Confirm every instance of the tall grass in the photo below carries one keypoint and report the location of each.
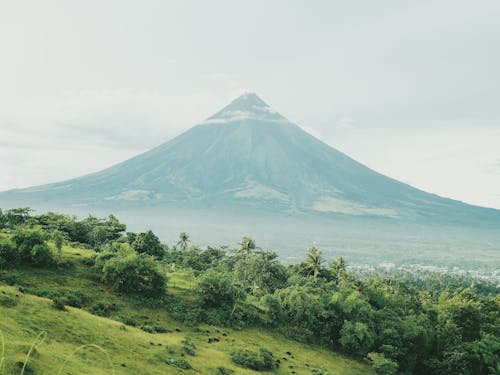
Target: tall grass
(85, 347)
(38, 341)
(2, 354)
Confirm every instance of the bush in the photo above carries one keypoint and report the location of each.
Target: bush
(258, 361)
(8, 253)
(188, 347)
(153, 328)
(382, 365)
(148, 243)
(103, 309)
(134, 274)
(180, 363)
(41, 255)
(73, 298)
(356, 337)
(217, 289)
(31, 247)
(25, 240)
(58, 303)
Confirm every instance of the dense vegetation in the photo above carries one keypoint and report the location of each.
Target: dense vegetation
(397, 323)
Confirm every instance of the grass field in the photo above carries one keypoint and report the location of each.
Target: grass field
(123, 349)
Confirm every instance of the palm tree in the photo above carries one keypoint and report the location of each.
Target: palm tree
(339, 267)
(314, 261)
(182, 244)
(247, 247)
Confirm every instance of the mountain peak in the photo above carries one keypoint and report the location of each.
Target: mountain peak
(247, 101)
(248, 106)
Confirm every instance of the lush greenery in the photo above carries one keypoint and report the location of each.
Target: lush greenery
(397, 323)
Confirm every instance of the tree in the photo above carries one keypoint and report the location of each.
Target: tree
(41, 255)
(247, 247)
(260, 273)
(314, 262)
(8, 253)
(25, 240)
(217, 289)
(17, 216)
(134, 273)
(3, 219)
(356, 337)
(148, 243)
(339, 268)
(58, 238)
(182, 244)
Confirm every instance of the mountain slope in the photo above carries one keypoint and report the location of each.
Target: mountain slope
(248, 155)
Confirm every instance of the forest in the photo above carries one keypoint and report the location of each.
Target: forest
(398, 324)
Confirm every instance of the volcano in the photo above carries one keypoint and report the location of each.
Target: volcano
(248, 156)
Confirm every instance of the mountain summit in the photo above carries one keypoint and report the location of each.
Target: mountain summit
(246, 106)
(247, 156)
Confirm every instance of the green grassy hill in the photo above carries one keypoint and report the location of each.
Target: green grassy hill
(128, 349)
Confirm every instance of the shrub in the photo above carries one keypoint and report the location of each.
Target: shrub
(128, 320)
(217, 289)
(258, 361)
(8, 253)
(382, 365)
(25, 240)
(103, 308)
(134, 274)
(180, 363)
(148, 243)
(153, 328)
(189, 347)
(73, 298)
(58, 303)
(356, 337)
(41, 255)
(31, 247)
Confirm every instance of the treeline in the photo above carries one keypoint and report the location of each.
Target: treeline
(398, 324)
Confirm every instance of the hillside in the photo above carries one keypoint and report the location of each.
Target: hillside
(130, 349)
(247, 156)
(153, 307)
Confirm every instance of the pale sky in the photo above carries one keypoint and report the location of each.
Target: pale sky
(409, 88)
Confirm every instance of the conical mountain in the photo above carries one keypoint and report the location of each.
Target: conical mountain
(247, 156)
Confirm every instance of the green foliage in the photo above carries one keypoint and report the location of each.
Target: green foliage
(356, 337)
(8, 253)
(381, 365)
(148, 243)
(434, 324)
(103, 308)
(41, 255)
(58, 237)
(30, 248)
(58, 303)
(262, 360)
(25, 240)
(133, 273)
(180, 363)
(14, 217)
(260, 273)
(183, 242)
(198, 259)
(73, 298)
(217, 289)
